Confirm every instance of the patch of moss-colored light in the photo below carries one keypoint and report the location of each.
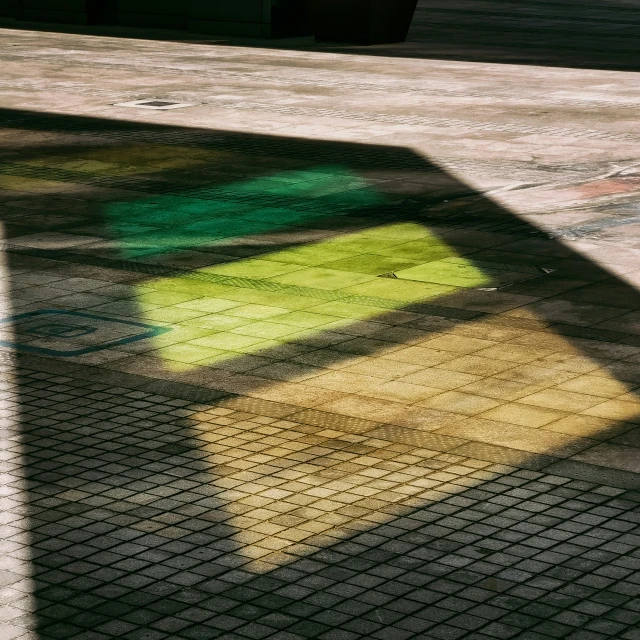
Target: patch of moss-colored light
(462, 273)
(259, 305)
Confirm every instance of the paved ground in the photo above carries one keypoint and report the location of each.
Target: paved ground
(347, 349)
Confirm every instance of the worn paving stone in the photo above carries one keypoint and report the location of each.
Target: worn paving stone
(349, 349)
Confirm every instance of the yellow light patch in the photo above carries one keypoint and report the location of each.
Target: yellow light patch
(267, 292)
(543, 425)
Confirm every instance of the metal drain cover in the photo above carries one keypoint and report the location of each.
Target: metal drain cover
(154, 104)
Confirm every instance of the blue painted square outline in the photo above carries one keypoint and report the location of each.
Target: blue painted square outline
(152, 332)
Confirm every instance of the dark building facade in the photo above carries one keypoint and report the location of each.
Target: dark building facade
(257, 18)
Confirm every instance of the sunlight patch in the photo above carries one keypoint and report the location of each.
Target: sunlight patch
(259, 305)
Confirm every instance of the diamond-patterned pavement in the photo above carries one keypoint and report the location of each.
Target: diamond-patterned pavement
(148, 521)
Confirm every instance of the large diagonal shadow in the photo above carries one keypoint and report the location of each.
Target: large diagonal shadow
(284, 510)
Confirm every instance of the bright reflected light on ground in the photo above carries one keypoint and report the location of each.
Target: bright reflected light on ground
(254, 305)
(288, 492)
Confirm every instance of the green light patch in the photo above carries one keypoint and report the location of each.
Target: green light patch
(201, 218)
(253, 308)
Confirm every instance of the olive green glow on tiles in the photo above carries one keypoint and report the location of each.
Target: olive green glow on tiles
(203, 217)
(268, 321)
(461, 273)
